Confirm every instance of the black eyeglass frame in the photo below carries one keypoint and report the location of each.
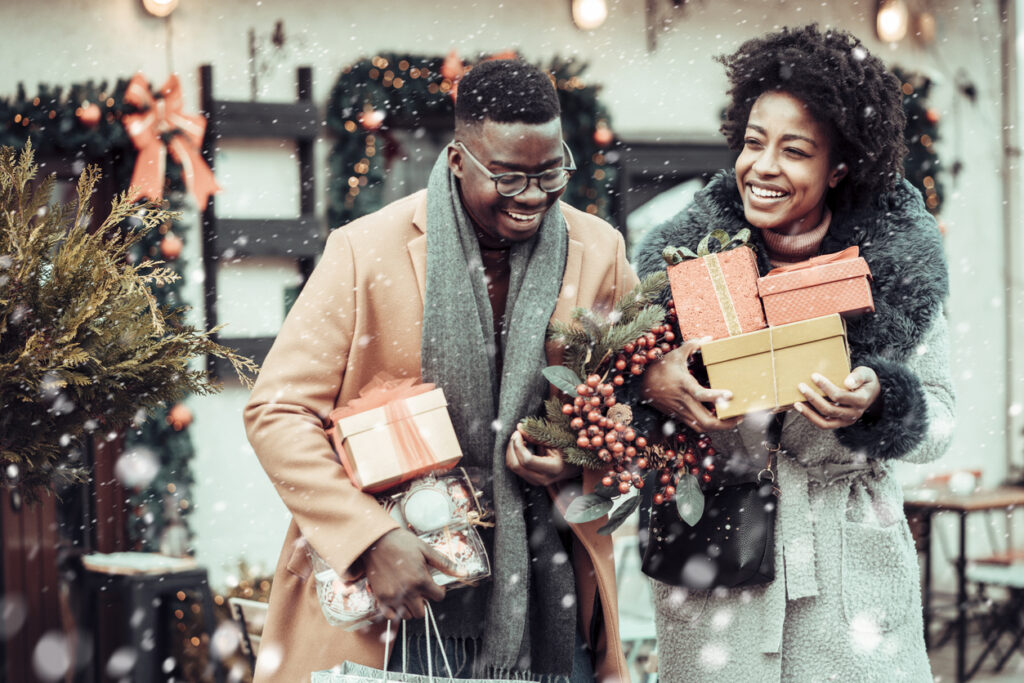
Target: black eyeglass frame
(496, 177)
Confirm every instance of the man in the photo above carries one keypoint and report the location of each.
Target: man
(456, 285)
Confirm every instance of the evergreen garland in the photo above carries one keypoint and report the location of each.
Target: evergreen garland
(922, 162)
(82, 122)
(391, 91)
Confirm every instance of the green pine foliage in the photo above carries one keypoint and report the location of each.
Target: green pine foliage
(84, 344)
(593, 339)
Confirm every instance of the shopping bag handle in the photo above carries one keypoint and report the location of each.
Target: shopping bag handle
(429, 622)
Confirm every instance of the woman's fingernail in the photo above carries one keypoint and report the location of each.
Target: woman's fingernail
(804, 388)
(798, 407)
(817, 377)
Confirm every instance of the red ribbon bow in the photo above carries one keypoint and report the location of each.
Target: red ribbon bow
(379, 391)
(847, 254)
(160, 116)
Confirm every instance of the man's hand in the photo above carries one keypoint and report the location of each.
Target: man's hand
(398, 569)
(673, 390)
(840, 407)
(539, 470)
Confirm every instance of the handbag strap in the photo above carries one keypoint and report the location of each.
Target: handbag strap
(773, 445)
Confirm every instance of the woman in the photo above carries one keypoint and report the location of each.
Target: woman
(819, 126)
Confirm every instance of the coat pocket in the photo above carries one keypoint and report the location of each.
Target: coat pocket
(879, 575)
(299, 563)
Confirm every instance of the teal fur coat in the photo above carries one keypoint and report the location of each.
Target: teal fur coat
(845, 604)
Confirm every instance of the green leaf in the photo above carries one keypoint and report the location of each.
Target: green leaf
(562, 378)
(587, 508)
(689, 499)
(620, 515)
(608, 492)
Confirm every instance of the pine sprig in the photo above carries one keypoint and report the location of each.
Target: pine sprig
(646, 292)
(539, 430)
(84, 345)
(574, 455)
(553, 409)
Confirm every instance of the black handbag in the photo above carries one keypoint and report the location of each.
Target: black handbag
(733, 543)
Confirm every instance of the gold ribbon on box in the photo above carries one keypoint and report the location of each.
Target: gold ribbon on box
(389, 393)
(159, 126)
(675, 255)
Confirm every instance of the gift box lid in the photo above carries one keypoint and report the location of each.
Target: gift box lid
(812, 275)
(377, 418)
(782, 336)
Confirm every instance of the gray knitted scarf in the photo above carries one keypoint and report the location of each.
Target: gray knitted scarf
(524, 623)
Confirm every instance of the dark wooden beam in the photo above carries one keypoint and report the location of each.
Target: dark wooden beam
(263, 119)
(242, 237)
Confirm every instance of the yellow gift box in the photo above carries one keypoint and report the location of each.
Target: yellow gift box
(408, 434)
(762, 369)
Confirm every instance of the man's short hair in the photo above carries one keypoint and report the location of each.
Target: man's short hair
(506, 91)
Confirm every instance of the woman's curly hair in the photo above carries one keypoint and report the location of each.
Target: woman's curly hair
(845, 88)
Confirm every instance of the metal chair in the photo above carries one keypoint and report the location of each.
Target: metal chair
(1005, 620)
(250, 615)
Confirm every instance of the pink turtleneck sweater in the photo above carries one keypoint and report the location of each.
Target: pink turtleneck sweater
(784, 250)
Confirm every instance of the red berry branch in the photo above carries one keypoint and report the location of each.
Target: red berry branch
(590, 421)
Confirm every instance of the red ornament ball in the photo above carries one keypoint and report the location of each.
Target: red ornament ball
(89, 114)
(932, 115)
(603, 136)
(179, 417)
(170, 246)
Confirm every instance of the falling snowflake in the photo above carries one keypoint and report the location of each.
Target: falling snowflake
(137, 467)
(713, 656)
(121, 663)
(51, 658)
(865, 633)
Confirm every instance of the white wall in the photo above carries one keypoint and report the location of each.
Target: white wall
(677, 90)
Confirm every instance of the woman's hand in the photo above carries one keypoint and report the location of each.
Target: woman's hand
(539, 470)
(671, 388)
(840, 407)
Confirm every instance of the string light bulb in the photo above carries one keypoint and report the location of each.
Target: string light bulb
(160, 8)
(891, 20)
(589, 14)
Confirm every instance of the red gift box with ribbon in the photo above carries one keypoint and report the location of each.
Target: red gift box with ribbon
(826, 284)
(715, 294)
(396, 430)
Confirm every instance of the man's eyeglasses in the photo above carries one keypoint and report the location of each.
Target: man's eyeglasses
(515, 182)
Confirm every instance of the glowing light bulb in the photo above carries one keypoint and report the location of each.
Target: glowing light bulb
(160, 8)
(891, 20)
(589, 14)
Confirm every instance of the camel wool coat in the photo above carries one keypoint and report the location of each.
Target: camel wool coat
(361, 313)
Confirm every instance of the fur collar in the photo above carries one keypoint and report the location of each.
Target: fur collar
(897, 237)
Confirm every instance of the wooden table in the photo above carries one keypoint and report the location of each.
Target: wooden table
(924, 506)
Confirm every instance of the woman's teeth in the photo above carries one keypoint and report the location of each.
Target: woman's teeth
(766, 194)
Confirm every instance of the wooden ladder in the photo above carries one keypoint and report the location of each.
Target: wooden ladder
(300, 238)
